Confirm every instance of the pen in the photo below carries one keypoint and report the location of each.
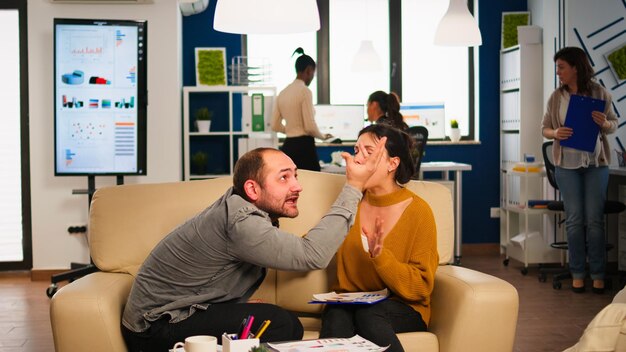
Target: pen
(262, 329)
(241, 327)
(246, 330)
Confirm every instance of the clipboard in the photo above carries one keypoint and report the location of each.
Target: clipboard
(579, 119)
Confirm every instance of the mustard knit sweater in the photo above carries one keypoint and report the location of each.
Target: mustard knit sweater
(408, 261)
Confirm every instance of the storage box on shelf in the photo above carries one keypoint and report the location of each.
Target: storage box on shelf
(213, 153)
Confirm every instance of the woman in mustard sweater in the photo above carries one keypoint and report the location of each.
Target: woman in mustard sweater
(392, 244)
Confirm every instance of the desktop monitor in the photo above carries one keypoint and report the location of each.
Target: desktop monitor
(342, 121)
(100, 97)
(430, 115)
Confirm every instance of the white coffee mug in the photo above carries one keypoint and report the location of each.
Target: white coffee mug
(200, 343)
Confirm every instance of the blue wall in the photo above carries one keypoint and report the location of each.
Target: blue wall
(198, 32)
(481, 186)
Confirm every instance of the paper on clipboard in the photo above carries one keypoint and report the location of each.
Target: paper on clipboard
(578, 118)
(351, 297)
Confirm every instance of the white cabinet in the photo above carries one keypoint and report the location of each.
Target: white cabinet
(230, 107)
(521, 111)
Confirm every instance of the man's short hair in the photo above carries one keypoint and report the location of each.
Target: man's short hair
(250, 166)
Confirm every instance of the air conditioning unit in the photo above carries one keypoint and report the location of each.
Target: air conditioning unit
(192, 7)
(98, 2)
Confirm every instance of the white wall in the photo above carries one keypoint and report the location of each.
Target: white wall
(53, 205)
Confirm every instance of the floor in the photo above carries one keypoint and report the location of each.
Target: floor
(549, 320)
(24, 315)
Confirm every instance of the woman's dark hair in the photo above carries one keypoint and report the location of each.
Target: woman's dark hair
(577, 58)
(399, 144)
(303, 61)
(390, 105)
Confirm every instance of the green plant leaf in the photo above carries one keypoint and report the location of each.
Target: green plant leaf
(618, 62)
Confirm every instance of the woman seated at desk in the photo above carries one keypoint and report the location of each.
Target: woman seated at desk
(385, 108)
(392, 244)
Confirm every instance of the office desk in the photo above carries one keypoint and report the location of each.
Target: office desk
(445, 167)
(617, 170)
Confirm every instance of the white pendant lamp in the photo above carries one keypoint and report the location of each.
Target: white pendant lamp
(366, 58)
(458, 27)
(266, 16)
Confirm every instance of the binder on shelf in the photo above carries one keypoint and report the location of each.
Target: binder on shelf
(579, 119)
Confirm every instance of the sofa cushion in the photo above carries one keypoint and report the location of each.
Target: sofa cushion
(126, 222)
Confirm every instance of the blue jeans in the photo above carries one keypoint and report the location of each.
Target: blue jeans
(584, 194)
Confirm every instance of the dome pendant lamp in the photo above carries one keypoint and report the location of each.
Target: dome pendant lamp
(266, 16)
(458, 27)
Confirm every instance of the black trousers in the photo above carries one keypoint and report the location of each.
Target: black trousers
(378, 323)
(302, 151)
(216, 320)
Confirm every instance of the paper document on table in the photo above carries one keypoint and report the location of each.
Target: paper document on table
(351, 297)
(355, 343)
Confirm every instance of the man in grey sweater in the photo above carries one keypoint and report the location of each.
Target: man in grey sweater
(198, 279)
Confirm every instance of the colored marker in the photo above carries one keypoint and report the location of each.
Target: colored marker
(241, 327)
(262, 329)
(246, 330)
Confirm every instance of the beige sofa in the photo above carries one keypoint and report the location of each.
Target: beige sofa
(607, 331)
(471, 311)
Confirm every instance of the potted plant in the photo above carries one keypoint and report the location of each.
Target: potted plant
(455, 132)
(203, 119)
(260, 348)
(200, 161)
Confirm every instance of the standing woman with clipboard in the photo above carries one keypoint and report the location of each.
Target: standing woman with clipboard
(294, 104)
(582, 176)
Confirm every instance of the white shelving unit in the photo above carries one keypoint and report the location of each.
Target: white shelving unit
(521, 237)
(521, 111)
(230, 127)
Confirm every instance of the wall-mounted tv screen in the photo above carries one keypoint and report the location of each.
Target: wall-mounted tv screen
(100, 97)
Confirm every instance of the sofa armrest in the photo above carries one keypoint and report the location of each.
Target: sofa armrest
(473, 311)
(86, 314)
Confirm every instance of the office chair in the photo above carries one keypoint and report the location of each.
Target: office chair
(561, 273)
(419, 134)
(610, 207)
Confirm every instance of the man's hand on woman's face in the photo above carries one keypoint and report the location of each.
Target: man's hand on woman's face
(357, 174)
